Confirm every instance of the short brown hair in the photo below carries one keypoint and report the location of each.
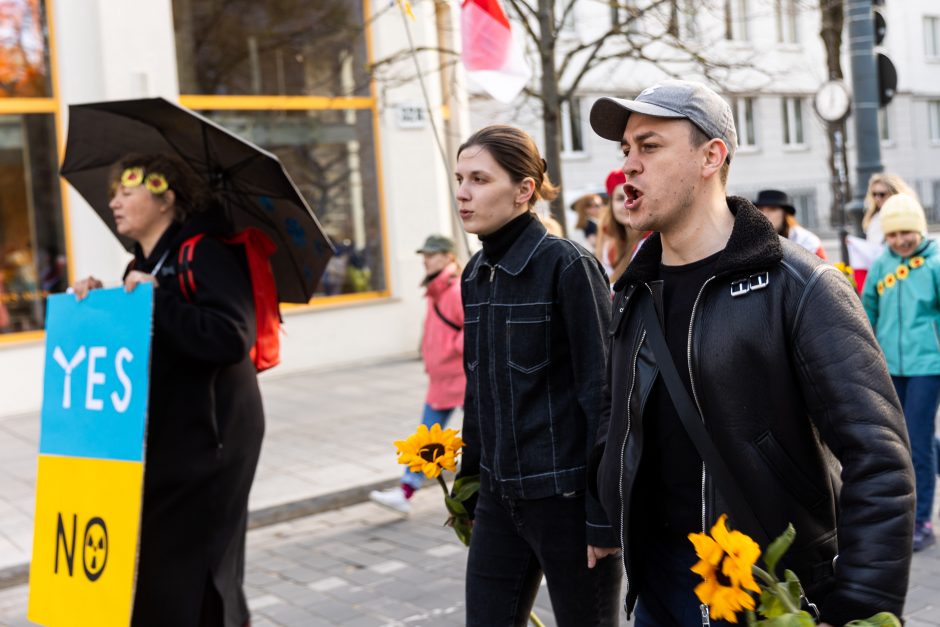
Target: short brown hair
(698, 137)
(184, 182)
(515, 151)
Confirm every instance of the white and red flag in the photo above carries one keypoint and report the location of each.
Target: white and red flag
(491, 54)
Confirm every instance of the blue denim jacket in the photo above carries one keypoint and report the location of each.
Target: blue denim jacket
(535, 354)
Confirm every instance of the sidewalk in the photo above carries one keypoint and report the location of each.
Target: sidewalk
(328, 442)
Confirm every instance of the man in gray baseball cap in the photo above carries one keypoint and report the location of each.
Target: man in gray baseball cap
(774, 370)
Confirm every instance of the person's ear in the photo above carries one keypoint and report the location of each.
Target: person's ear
(169, 200)
(524, 191)
(715, 156)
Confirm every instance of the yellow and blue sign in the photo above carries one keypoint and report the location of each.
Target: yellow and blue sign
(91, 458)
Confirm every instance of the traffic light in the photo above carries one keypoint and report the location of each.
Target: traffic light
(887, 74)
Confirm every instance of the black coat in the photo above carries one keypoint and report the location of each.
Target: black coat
(786, 373)
(204, 432)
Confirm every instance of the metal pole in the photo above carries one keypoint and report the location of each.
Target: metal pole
(865, 102)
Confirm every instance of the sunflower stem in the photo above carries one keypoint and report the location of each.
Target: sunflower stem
(764, 576)
(440, 480)
(534, 619)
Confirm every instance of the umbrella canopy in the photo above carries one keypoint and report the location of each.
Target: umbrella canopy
(248, 182)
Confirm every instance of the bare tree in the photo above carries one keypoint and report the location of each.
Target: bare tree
(564, 57)
(832, 13)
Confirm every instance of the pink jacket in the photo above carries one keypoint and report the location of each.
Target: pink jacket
(442, 346)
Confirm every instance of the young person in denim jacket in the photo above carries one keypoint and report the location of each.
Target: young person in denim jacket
(902, 300)
(536, 309)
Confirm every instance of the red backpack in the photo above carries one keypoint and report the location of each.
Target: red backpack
(258, 248)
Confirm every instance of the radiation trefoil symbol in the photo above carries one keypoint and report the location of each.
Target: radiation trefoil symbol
(95, 548)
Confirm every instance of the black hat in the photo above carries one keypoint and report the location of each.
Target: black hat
(774, 198)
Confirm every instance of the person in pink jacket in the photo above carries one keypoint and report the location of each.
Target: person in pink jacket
(442, 351)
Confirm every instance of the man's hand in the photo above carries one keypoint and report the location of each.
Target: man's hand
(136, 277)
(595, 553)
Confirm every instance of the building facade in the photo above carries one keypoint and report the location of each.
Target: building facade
(293, 77)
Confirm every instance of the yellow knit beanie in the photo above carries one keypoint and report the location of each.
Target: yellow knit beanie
(903, 213)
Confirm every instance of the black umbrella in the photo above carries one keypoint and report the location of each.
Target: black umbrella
(249, 182)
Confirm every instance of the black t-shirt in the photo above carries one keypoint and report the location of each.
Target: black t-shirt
(670, 475)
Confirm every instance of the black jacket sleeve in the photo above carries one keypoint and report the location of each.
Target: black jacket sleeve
(585, 307)
(853, 403)
(218, 326)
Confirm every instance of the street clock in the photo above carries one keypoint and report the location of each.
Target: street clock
(833, 101)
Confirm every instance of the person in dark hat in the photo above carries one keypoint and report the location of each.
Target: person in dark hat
(442, 352)
(776, 207)
(775, 366)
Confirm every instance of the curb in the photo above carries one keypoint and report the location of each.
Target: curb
(18, 574)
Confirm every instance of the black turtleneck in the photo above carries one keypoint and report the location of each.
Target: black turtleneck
(498, 243)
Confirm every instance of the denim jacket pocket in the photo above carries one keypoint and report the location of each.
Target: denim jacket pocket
(527, 336)
(471, 338)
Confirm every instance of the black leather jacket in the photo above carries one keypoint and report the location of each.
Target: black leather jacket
(789, 379)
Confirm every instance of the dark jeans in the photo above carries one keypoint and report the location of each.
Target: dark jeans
(667, 586)
(919, 397)
(514, 541)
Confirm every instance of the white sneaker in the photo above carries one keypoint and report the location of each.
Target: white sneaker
(393, 498)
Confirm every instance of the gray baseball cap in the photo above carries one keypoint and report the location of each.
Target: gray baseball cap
(437, 244)
(695, 102)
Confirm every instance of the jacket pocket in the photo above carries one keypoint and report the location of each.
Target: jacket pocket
(527, 337)
(471, 338)
(788, 472)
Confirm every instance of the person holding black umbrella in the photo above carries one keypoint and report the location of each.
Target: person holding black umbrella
(206, 420)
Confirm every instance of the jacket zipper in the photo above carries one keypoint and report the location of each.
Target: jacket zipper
(623, 448)
(900, 332)
(692, 382)
(703, 608)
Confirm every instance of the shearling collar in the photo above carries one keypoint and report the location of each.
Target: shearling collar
(753, 245)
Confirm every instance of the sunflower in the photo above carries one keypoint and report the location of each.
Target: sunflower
(880, 287)
(917, 262)
(132, 177)
(726, 561)
(156, 183)
(430, 451)
(902, 272)
(890, 280)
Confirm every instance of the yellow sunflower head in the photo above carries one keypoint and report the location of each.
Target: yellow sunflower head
(917, 262)
(880, 286)
(890, 280)
(156, 183)
(726, 561)
(902, 272)
(430, 450)
(132, 177)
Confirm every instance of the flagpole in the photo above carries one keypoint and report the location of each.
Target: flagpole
(437, 137)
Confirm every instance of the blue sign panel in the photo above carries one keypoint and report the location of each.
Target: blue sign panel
(97, 374)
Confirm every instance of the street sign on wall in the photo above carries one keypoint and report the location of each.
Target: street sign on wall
(91, 458)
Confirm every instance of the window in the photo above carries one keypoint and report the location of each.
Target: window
(884, 124)
(33, 260)
(932, 37)
(743, 110)
(933, 211)
(688, 27)
(572, 127)
(624, 13)
(786, 18)
(933, 114)
(291, 77)
(736, 20)
(792, 110)
(805, 204)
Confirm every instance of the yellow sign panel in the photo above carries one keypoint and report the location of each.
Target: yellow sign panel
(85, 542)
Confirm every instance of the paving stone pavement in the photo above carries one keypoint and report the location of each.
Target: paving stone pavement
(364, 566)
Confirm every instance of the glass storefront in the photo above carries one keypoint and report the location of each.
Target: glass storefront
(32, 236)
(291, 77)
